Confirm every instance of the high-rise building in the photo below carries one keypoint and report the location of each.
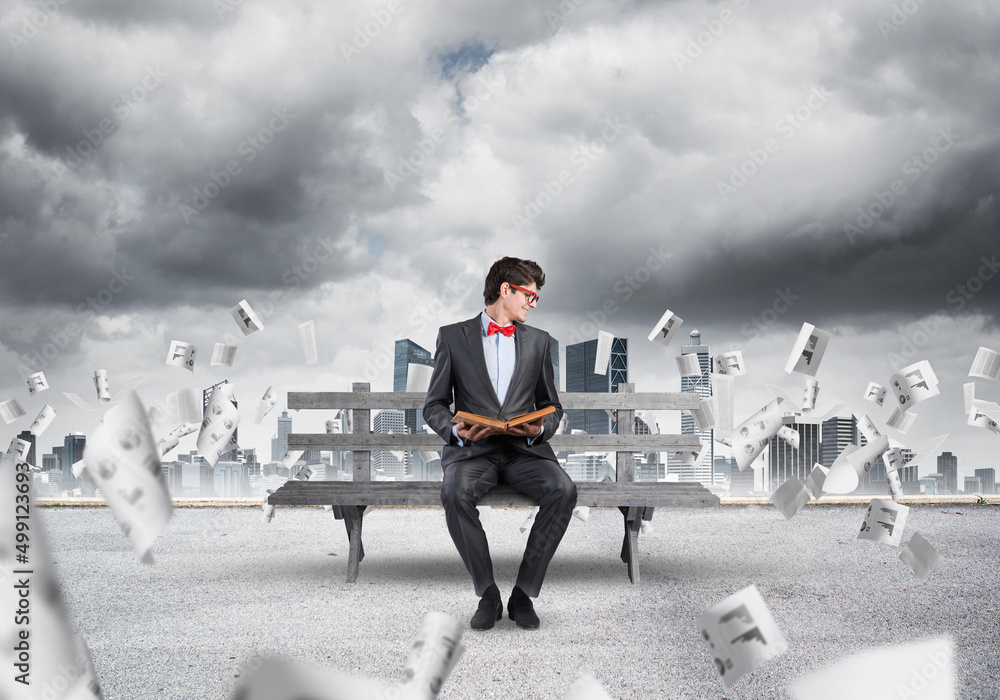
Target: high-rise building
(589, 466)
(972, 485)
(50, 463)
(30, 437)
(722, 468)
(580, 377)
(279, 443)
(741, 483)
(409, 353)
(701, 385)
(987, 481)
(908, 475)
(205, 396)
(385, 463)
(947, 466)
(784, 462)
(554, 354)
(72, 452)
(837, 433)
(230, 479)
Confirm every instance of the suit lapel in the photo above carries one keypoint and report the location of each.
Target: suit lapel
(474, 337)
(522, 341)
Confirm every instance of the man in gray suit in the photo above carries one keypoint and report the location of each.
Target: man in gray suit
(494, 365)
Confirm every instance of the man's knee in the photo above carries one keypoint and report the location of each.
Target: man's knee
(454, 494)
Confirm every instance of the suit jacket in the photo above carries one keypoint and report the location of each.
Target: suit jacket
(460, 377)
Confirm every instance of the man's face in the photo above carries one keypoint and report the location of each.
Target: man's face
(515, 302)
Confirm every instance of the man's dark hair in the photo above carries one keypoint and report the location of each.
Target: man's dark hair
(511, 271)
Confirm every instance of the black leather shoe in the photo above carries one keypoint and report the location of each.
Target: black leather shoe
(490, 610)
(521, 611)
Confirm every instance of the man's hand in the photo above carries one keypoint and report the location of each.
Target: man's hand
(474, 432)
(527, 429)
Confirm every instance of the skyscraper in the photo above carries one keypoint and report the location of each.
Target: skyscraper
(72, 452)
(384, 462)
(580, 377)
(279, 443)
(409, 353)
(554, 353)
(987, 480)
(30, 437)
(783, 462)
(838, 433)
(205, 396)
(702, 386)
(947, 466)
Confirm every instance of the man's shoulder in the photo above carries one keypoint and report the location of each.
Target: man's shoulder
(458, 327)
(532, 331)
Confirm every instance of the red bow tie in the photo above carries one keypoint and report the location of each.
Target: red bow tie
(494, 328)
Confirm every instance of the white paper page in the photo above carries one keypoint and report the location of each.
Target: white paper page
(850, 468)
(266, 403)
(666, 328)
(184, 406)
(78, 400)
(968, 395)
(920, 556)
(867, 426)
(876, 393)
(18, 450)
(986, 365)
(730, 363)
(10, 410)
(688, 365)
(814, 482)
(182, 354)
(790, 497)
(752, 435)
(810, 394)
(901, 420)
(124, 463)
(780, 393)
(603, 357)
(102, 385)
(722, 395)
(220, 422)
(927, 450)
(245, 317)
(43, 420)
(990, 408)
(704, 416)
(131, 385)
(418, 377)
(790, 435)
(914, 383)
(307, 334)
(884, 522)
(223, 354)
(741, 634)
(807, 350)
(36, 383)
(982, 420)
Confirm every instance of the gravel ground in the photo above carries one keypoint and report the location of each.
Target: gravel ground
(227, 587)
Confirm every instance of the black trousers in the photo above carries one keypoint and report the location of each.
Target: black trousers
(543, 479)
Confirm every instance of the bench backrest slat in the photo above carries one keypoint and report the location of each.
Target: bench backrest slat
(570, 400)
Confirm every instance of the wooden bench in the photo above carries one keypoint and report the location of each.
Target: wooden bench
(635, 500)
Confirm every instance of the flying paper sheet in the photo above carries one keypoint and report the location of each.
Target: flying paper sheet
(990, 408)
(223, 354)
(43, 420)
(266, 403)
(219, 424)
(36, 383)
(854, 462)
(10, 411)
(790, 435)
(814, 482)
(929, 449)
(901, 420)
(268, 508)
(59, 658)
(921, 671)
(808, 350)
(986, 365)
(893, 460)
(184, 406)
(75, 398)
(730, 363)
(164, 445)
(124, 463)
(582, 513)
(688, 365)
(752, 435)
(418, 377)
(867, 426)
(587, 688)
(969, 395)
(184, 429)
(978, 419)
(790, 497)
(666, 328)
(290, 457)
(914, 383)
(182, 354)
(920, 556)
(810, 394)
(884, 522)
(277, 679)
(689, 457)
(18, 450)
(704, 415)
(604, 341)
(131, 385)
(780, 393)
(741, 634)
(246, 318)
(433, 655)
(875, 393)
(307, 334)
(722, 397)
(102, 385)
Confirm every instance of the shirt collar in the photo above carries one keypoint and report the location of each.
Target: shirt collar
(485, 321)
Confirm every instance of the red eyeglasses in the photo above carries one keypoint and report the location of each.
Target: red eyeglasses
(532, 297)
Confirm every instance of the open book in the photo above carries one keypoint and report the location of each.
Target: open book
(473, 419)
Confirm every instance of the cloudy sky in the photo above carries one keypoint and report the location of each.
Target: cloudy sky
(362, 164)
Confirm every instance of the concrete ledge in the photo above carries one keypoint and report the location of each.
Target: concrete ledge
(725, 501)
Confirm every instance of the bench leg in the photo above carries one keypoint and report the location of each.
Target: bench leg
(352, 520)
(630, 543)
